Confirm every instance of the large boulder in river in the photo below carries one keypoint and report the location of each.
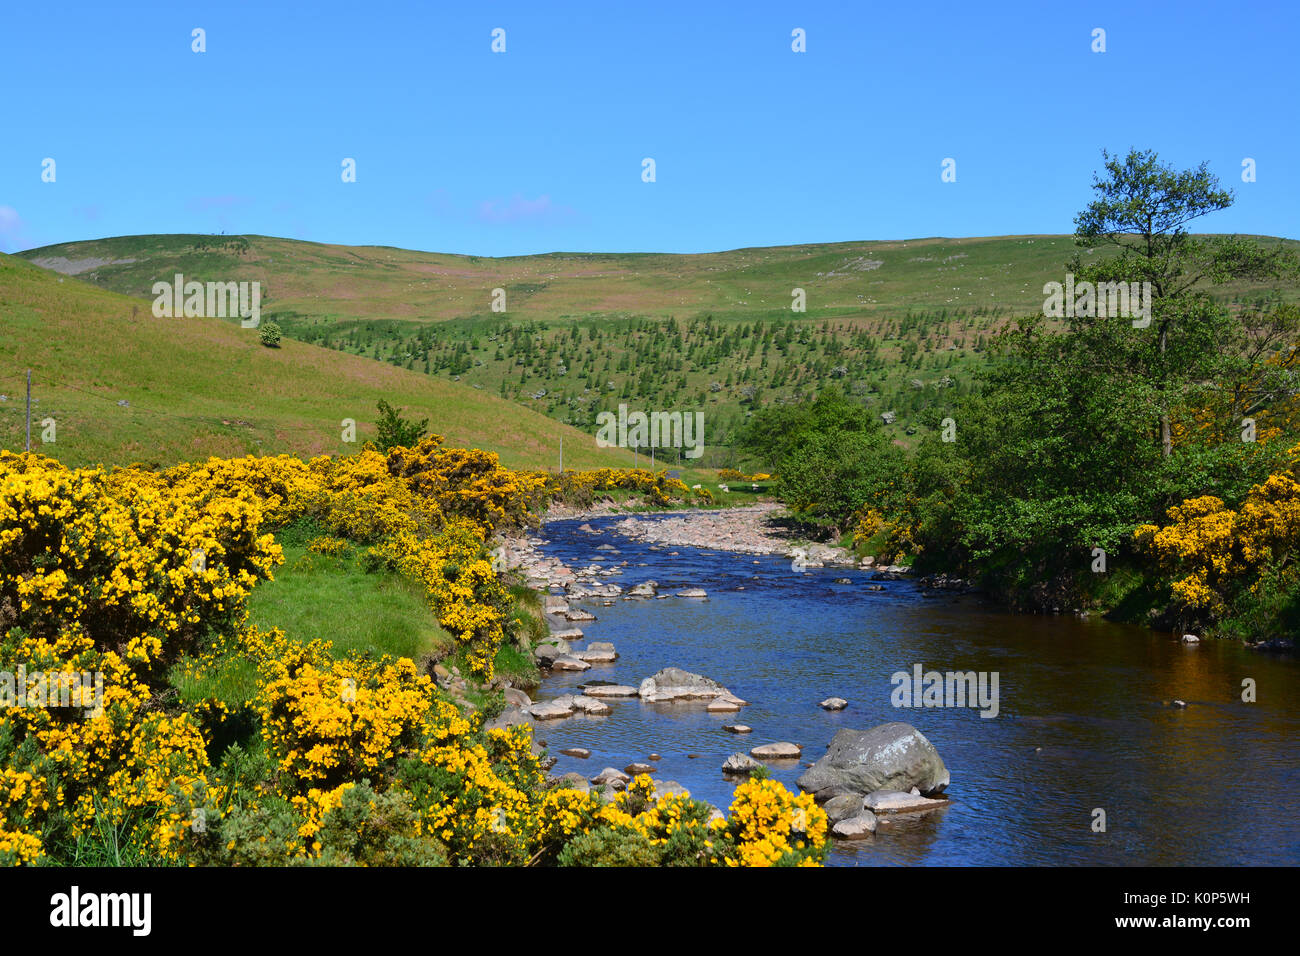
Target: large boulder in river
(893, 756)
(673, 683)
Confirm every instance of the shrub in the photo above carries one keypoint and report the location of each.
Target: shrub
(609, 847)
(270, 333)
(396, 431)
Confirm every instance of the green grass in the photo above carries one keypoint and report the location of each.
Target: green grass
(123, 386)
(377, 612)
(331, 598)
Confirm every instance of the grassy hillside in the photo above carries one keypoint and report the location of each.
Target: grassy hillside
(849, 279)
(897, 324)
(124, 386)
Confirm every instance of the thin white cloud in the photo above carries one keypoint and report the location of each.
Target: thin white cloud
(13, 231)
(518, 209)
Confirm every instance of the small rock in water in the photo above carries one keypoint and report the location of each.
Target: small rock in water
(598, 652)
(582, 753)
(578, 614)
(740, 763)
(844, 807)
(779, 751)
(610, 690)
(1178, 703)
(573, 781)
(855, 828)
(610, 775)
(1191, 639)
(738, 729)
(566, 662)
(722, 705)
(635, 769)
(843, 581)
(895, 801)
(692, 593)
(549, 711)
(833, 703)
(653, 757)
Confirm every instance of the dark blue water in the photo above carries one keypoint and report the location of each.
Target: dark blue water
(1081, 725)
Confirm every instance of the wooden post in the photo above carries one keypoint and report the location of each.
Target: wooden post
(29, 410)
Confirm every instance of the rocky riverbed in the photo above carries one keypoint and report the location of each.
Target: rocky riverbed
(755, 530)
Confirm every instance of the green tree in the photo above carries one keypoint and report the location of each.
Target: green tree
(1142, 209)
(831, 455)
(396, 431)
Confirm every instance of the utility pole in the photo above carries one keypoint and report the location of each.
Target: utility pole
(29, 410)
(561, 454)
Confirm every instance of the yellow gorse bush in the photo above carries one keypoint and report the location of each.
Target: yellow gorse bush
(1211, 550)
(141, 578)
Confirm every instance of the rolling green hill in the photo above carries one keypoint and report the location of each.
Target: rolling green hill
(123, 386)
(897, 324)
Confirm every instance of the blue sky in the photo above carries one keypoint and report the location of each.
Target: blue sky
(540, 148)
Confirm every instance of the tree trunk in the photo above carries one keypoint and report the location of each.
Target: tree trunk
(1166, 438)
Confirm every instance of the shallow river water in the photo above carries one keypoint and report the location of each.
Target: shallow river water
(1082, 722)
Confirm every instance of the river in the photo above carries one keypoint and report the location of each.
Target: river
(1083, 722)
